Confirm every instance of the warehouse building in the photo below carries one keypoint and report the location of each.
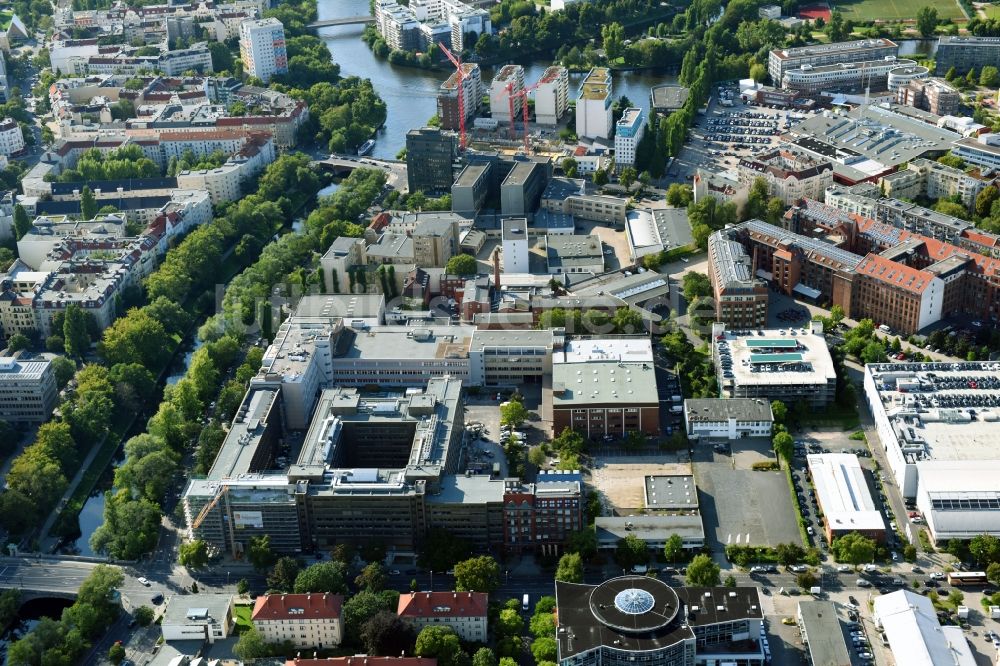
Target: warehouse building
(822, 633)
(937, 424)
(843, 497)
(915, 636)
(733, 418)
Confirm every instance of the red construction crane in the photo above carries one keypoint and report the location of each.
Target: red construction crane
(523, 94)
(460, 79)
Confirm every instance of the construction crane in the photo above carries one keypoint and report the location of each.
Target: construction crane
(460, 80)
(523, 94)
(205, 510)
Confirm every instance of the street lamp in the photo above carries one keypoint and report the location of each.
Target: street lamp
(227, 579)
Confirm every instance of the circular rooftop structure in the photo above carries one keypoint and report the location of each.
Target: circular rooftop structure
(634, 604)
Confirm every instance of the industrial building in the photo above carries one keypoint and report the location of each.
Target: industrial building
(780, 61)
(514, 241)
(822, 633)
(570, 253)
(789, 365)
(641, 617)
(915, 635)
(732, 418)
(936, 423)
(668, 97)
(843, 498)
(654, 530)
(593, 105)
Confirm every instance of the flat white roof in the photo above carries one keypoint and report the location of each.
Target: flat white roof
(842, 492)
(915, 635)
(634, 350)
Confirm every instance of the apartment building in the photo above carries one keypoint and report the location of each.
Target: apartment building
(919, 220)
(628, 134)
(936, 96)
(306, 621)
(740, 295)
(472, 97)
(931, 179)
(552, 95)
(28, 390)
(782, 60)
(398, 26)
(593, 105)
(262, 48)
(505, 93)
(965, 53)
(541, 516)
(851, 77)
(461, 20)
(430, 158)
(11, 138)
(464, 612)
(227, 182)
(790, 175)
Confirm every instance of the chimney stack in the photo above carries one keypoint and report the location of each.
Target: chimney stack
(496, 268)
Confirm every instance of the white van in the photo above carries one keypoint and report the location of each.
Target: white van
(524, 602)
(885, 329)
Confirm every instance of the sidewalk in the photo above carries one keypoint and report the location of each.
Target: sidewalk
(47, 543)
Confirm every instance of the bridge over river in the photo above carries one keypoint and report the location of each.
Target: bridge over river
(347, 20)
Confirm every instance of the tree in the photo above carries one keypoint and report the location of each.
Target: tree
(985, 549)
(758, 72)
(76, 340)
(756, 206)
(784, 446)
(874, 352)
(702, 572)
(194, 554)
(88, 205)
(441, 550)
(251, 646)
(985, 199)
(243, 586)
(583, 542)
(536, 456)
(478, 574)
(21, 222)
(544, 649)
(570, 169)
(695, 285)
(143, 616)
(130, 527)
(673, 549)
(18, 342)
(628, 321)
(600, 177)
(993, 573)
(136, 338)
(853, 548)
(627, 177)
(284, 574)
(440, 642)
(989, 76)
(484, 657)
(116, 654)
(510, 623)
(385, 633)
(462, 264)
(730, 581)
(631, 551)
(513, 413)
(63, 369)
(613, 38)
(372, 578)
(259, 552)
(679, 195)
(779, 411)
(806, 580)
(927, 19)
(570, 568)
(364, 605)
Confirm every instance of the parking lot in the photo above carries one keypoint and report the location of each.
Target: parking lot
(740, 505)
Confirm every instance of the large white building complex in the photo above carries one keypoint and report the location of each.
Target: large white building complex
(593, 105)
(423, 23)
(843, 497)
(505, 93)
(915, 636)
(262, 48)
(781, 60)
(938, 425)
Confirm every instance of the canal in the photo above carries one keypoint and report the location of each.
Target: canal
(30, 613)
(410, 94)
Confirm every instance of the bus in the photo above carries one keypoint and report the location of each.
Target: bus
(967, 578)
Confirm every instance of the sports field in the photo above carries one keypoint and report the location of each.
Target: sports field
(894, 10)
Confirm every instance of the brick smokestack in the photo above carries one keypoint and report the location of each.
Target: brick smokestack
(496, 268)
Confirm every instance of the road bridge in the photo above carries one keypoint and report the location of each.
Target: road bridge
(349, 20)
(343, 165)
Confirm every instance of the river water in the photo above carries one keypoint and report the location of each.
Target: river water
(411, 94)
(27, 617)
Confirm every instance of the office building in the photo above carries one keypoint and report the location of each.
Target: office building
(11, 138)
(873, 76)
(733, 418)
(505, 93)
(740, 295)
(262, 48)
(570, 253)
(933, 180)
(28, 390)
(511, 357)
(983, 150)
(655, 230)
(641, 617)
(902, 297)
(552, 95)
(541, 516)
(568, 196)
(206, 618)
(302, 620)
(822, 634)
(471, 189)
(514, 241)
(935, 422)
(605, 387)
(430, 158)
(522, 189)
(628, 134)
(654, 529)
(781, 60)
(464, 612)
(790, 175)
(935, 96)
(843, 498)
(788, 365)
(472, 97)
(910, 623)
(965, 53)
(593, 105)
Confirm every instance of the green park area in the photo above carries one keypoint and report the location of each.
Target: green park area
(895, 10)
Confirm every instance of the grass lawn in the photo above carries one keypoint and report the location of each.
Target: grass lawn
(242, 616)
(992, 11)
(873, 10)
(845, 418)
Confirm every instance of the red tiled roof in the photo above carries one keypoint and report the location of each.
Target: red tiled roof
(895, 274)
(224, 135)
(363, 660)
(981, 237)
(280, 607)
(443, 604)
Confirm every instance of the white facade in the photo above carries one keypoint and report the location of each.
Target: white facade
(262, 48)
(464, 612)
(552, 96)
(731, 418)
(61, 53)
(508, 82)
(304, 620)
(628, 134)
(515, 246)
(11, 137)
(843, 495)
(593, 105)
(205, 617)
(27, 390)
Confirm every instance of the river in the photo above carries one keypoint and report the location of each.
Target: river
(410, 94)
(27, 617)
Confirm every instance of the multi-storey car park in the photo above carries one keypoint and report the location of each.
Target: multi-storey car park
(790, 365)
(937, 425)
